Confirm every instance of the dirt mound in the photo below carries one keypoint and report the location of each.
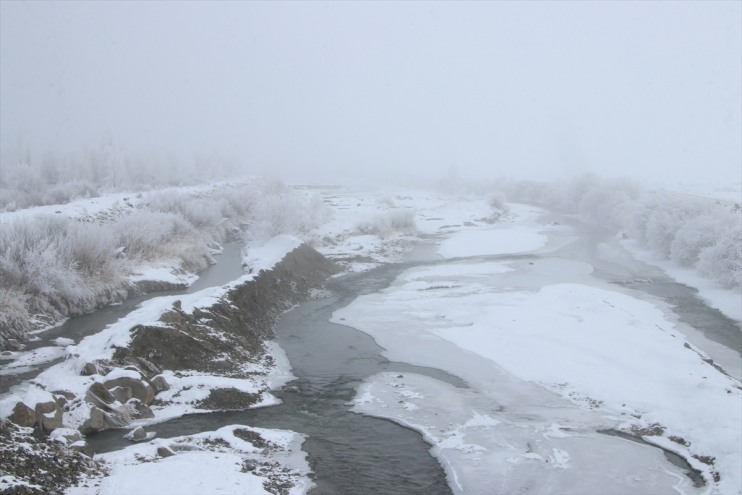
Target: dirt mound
(221, 338)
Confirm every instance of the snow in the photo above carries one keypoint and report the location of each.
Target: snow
(167, 271)
(27, 361)
(540, 343)
(211, 462)
(265, 256)
(502, 238)
(727, 301)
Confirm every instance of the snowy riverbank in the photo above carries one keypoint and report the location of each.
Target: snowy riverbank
(217, 361)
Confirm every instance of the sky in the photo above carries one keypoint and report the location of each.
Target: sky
(649, 90)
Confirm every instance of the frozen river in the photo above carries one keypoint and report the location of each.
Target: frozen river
(511, 361)
(561, 336)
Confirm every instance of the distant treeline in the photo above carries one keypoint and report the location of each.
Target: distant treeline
(56, 178)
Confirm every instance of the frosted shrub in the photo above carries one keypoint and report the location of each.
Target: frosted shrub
(148, 236)
(61, 267)
(389, 223)
(283, 211)
(13, 315)
(723, 260)
(499, 206)
(199, 212)
(694, 237)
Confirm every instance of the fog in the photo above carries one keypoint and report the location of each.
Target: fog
(649, 90)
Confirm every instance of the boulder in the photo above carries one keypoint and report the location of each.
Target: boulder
(23, 415)
(160, 384)
(96, 422)
(49, 416)
(139, 389)
(136, 435)
(82, 447)
(164, 452)
(101, 420)
(89, 369)
(66, 436)
(63, 397)
(122, 394)
(99, 395)
(145, 367)
(139, 410)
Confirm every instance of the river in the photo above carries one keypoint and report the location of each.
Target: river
(353, 453)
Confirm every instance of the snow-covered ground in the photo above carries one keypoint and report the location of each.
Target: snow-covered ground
(232, 459)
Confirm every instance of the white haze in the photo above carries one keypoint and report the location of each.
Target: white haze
(649, 90)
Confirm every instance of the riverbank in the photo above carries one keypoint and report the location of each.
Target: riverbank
(210, 350)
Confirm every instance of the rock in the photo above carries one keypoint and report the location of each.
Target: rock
(82, 447)
(99, 396)
(63, 397)
(89, 369)
(23, 415)
(136, 435)
(49, 416)
(139, 389)
(96, 422)
(122, 394)
(139, 409)
(164, 452)
(66, 436)
(144, 366)
(160, 384)
(101, 420)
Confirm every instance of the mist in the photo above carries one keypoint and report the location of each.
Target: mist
(649, 90)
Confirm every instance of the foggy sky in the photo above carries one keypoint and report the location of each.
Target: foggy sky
(641, 89)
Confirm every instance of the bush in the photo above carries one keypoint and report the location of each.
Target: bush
(389, 223)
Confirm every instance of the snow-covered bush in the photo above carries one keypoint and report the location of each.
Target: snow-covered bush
(152, 235)
(722, 261)
(14, 317)
(59, 267)
(284, 211)
(499, 205)
(389, 223)
(53, 266)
